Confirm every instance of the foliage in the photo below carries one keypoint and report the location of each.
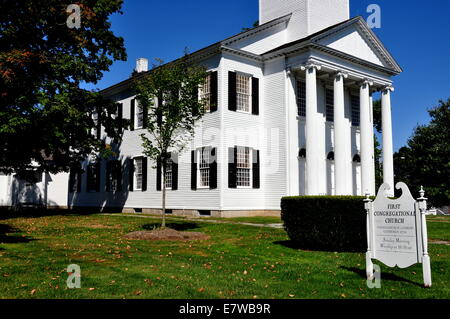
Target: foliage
(169, 94)
(255, 24)
(334, 223)
(426, 158)
(45, 114)
(377, 118)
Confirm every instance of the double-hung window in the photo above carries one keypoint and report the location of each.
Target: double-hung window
(354, 101)
(169, 174)
(138, 173)
(205, 93)
(139, 116)
(204, 167)
(243, 167)
(93, 177)
(113, 177)
(301, 98)
(243, 93)
(75, 178)
(329, 105)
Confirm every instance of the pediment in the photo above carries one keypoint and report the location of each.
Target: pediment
(356, 39)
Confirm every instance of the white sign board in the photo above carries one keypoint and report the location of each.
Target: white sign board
(396, 231)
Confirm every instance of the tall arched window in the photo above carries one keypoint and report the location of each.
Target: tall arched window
(357, 158)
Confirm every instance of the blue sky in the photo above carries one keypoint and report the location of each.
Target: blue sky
(417, 33)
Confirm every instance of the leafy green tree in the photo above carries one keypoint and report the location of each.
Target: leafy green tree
(45, 114)
(169, 94)
(377, 147)
(426, 158)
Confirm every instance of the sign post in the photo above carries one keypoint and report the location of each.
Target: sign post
(397, 231)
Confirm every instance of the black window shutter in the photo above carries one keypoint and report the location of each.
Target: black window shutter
(213, 169)
(132, 111)
(194, 170)
(120, 117)
(109, 165)
(232, 99)
(159, 110)
(255, 96)
(256, 169)
(72, 180)
(175, 173)
(144, 174)
(158, 174)
(145, 117)
(232, 161)
(118, 173)
(195, 93)
(214, 98)
(131, 174)
(97, 176)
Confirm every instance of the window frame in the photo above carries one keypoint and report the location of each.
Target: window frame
(91, 170)
(250, 167)
(113, 176)
(329, 107)
(139, 112)
(355, 109)
(200, 152)
(301, 82)
(249, 94)
(169, 165)
(136, 186)
(206, 94)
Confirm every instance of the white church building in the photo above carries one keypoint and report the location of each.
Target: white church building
(291, 113)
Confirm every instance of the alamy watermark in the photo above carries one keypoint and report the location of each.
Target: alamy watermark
(374, 19)
(74, 19)
(74, 279)
(375, 282)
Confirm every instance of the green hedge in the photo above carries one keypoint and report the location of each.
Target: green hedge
(332, 223)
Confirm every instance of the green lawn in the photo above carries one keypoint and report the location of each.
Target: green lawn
(237, 262)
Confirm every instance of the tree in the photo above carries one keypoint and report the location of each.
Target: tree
(425, 161)
(377, 150)
(169, 96)
(45, 114)
(255, 24)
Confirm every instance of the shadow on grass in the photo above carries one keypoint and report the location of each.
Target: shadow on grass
(384, 276)
(8, 239)
(175, 226)
(43, 212)
(309, 247)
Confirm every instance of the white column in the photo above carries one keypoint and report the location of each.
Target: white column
(388, 157)
(339, 135)
(365, 135)
(312, 140)
(293, 143)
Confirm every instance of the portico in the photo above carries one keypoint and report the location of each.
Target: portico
(342, 81)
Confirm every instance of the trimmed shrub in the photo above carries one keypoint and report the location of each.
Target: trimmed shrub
(332, 223)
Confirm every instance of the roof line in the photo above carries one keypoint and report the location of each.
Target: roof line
(218, 45)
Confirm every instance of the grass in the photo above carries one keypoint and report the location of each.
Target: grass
(237, 262)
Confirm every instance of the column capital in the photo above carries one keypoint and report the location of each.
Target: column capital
(311, 65)
(339, 74)
(289, 71)
(366, 81)
(387, 88)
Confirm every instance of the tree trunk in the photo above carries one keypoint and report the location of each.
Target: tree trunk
(163, 222)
